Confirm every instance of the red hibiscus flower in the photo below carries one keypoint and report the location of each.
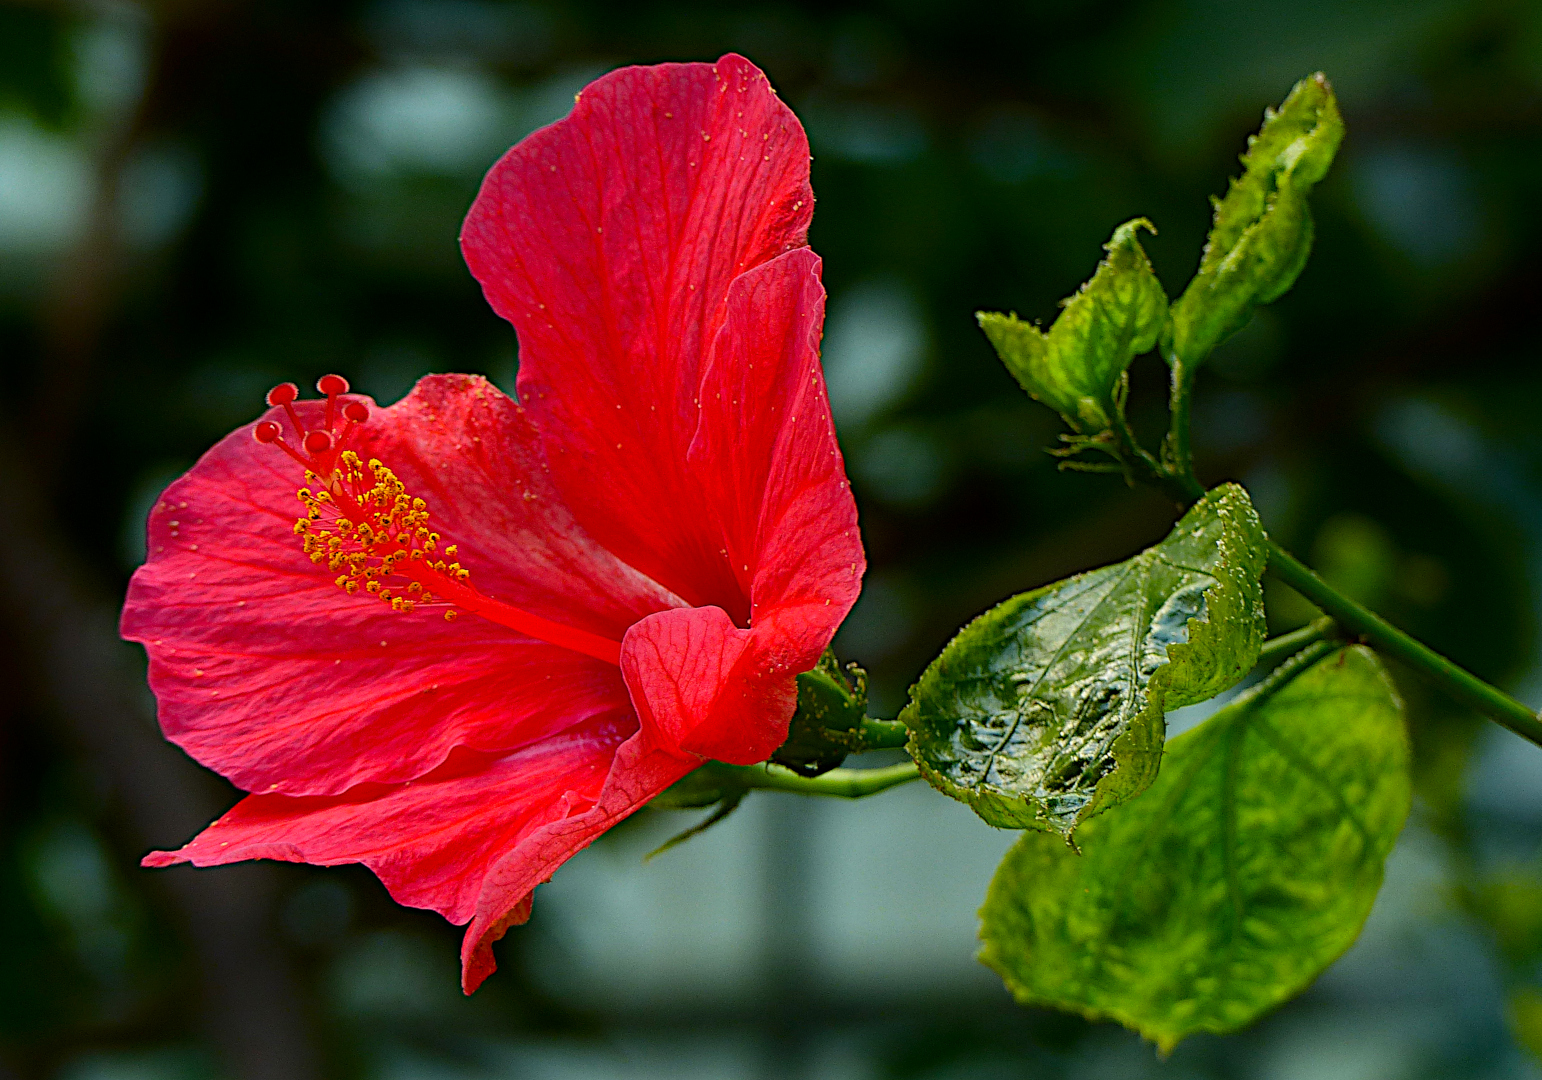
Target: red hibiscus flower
(490, 630)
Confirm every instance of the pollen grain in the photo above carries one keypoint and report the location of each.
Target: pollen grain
(374, 537)
(362, 524)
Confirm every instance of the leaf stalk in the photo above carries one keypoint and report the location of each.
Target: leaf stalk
(1176, 477)
(837, 783)
(1181, 464)
(1279, 648)
(1366, 624)
(883, 734)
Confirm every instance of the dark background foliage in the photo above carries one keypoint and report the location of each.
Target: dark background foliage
(199, 198)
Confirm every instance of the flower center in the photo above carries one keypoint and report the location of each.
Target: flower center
(363, 525)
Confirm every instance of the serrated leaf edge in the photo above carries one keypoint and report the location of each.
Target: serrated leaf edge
(988, 804)
(1166, 1041)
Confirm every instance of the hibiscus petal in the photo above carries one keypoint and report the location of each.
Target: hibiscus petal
(610, 240)
(268, 673)
(677, 665)
(433, 841)
(775, 488)
(767, 458)
(479, 460)
(641, 770)
(650, 252)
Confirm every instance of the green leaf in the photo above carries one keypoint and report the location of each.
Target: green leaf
(1078, 367)
(1049, 707)
(1248, 867)
(1262, 234)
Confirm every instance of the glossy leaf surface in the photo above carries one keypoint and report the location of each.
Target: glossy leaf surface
(1247, 868)
(1077, 368)
(1049, 707)
(1262, 232)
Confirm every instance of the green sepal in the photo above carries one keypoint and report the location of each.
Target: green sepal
(710, 785)
(729, 804)
(832, 704)
(1049, 707)
(1262, 233)
(1078, 367)
(1247, 868)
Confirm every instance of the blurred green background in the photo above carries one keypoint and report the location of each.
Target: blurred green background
(200, 198)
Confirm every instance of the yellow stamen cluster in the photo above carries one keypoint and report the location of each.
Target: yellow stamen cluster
(363, 526)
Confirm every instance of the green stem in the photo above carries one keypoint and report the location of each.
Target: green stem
(883, 734)
(1176, 475)
(1178, 478)
(837, 783)
(1278, 648)
(1134, 454)
(1146, 468)
(1179, 405)
(1294, 665)
(1364, 623)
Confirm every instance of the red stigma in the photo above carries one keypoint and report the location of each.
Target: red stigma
(316, 448)
(332, 385)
